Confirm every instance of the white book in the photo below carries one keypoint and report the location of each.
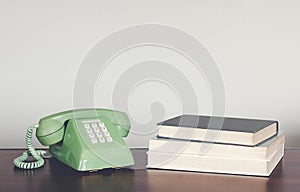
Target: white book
(214, 164)
(174, 146)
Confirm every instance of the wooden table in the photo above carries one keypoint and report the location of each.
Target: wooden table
(55, 177)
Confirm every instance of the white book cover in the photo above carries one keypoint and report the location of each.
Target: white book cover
(174, 146)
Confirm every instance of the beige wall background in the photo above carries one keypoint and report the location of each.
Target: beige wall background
(255, 44)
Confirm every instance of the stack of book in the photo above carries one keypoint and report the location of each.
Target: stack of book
(217, 144)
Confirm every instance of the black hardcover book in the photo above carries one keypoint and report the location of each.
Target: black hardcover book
(241, 131)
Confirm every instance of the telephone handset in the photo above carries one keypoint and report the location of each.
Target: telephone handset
(84, 139)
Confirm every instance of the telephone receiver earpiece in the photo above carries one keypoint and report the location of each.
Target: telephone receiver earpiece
(50, 131)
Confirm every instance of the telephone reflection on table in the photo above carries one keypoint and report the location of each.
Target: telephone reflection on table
(84, 139)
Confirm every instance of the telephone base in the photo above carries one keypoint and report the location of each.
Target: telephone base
(90, 161)
(79, 152)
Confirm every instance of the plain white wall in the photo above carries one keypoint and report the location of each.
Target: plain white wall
(255, 44)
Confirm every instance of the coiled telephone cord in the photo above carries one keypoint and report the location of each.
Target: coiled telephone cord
(21, 162)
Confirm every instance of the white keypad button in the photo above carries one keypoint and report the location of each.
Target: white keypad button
(86, 125)
(92, 135)
(94, 125)
(102, 140)
(99, 134)
(109, 139)
(101, 124)
(106, 134)
(94, 140)
(96, 130)
(104, 129)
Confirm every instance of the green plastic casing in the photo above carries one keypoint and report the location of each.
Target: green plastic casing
(71, 144)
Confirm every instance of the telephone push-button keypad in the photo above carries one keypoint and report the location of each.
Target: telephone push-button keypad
(97, 132)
